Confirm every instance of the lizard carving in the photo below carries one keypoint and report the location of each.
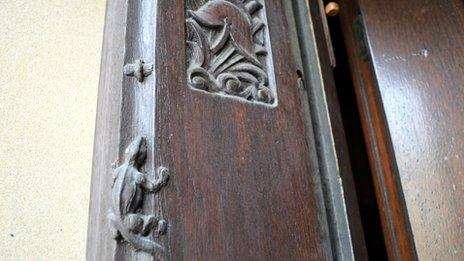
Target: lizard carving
(129, 187)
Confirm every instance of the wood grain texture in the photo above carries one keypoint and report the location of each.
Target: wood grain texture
(125, 111)
(395, 222)
(411, 102)
(244, 178)
(100, 245)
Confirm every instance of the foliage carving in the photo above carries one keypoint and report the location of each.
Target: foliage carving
(226, 50)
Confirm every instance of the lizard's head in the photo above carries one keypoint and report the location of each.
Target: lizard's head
(136, 152)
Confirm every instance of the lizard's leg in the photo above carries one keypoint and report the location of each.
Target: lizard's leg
(115, 234)
(134, 222)
(149, 222)
(160, 181)
(161, 227)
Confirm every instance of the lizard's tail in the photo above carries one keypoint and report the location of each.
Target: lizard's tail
(143, 243)
(138, 241)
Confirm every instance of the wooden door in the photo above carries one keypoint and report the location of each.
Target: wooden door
(409, 77)
(210, 98)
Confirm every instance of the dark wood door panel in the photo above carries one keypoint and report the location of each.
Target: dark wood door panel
(411, 99)
(215, 94)
(244, 183)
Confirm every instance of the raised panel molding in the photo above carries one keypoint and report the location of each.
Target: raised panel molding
(226, 49)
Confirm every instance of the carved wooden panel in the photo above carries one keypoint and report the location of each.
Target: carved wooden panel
(228, 49)
(244, 178)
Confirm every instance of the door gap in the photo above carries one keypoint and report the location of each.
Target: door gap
(362, 174)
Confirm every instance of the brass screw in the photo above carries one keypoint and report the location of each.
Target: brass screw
(332, 9)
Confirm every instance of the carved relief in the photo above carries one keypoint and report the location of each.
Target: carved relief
(139, 70)
(129, 188)
(226, 49)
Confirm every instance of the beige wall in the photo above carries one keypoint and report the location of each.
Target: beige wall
(49, 67)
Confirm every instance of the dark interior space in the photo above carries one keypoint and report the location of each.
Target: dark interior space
(358, 155)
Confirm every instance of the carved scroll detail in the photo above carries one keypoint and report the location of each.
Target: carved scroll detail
(129, 188)
(226, 50)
